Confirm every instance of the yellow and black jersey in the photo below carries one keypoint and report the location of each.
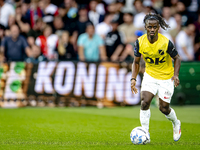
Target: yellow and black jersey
(157, 56)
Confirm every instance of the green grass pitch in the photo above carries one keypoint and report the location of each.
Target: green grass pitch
(93, 128)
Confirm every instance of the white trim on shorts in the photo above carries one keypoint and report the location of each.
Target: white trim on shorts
(163, 88)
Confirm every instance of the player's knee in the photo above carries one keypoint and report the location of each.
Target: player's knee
(164, 109)
(145, 104)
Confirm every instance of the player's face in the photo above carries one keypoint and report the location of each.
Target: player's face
(152, 27)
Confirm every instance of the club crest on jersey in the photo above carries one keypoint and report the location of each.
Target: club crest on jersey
(161, 52)
(135, 50)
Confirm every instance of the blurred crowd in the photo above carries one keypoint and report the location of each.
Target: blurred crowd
(92, 30)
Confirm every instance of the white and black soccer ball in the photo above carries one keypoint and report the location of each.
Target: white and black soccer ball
(140, 135)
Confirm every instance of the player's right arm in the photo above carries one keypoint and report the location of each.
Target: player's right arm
(135, 67)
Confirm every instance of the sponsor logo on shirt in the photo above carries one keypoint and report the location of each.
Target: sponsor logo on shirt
(161, 52)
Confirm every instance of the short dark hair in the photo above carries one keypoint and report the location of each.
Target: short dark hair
(129, 13)
(121, 1)
(82, 6)
(89, 24)
(157, 17)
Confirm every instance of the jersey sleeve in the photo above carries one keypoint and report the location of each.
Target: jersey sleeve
(171, 50)
(136, 49)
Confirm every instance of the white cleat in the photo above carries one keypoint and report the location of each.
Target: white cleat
(177, 131)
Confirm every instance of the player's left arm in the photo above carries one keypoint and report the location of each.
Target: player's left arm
(177, 62)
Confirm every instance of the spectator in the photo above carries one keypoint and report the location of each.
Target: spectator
(101, 7)
(23, 9)
(80, 26)
(65, 49)
(128, 53)
(113, 42)
(6, 11)
(71, 8)
(178, 28)
(73, 16)
(104, 27)
(158, 5)
(82, 20)
(50, 10)
(193, 9)
(68, 11)
(93, 15)
(11, 21)
(184, 43)
(180, 8)
(36, 31)
(128, 7)
(33, 13)
(48, 43)
(31, 37)
(21, 21)
(58, 25)
(15, 47)
(90, 45)
(168, 19)
(128, 29)
(119, 14)
(142, 9)
(138, 6)
(36, 56)
(115, 7)
(112, 7)
(173, 6)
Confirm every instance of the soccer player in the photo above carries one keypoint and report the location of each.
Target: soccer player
(160, 76)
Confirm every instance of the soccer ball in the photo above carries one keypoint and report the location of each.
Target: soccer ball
(140, 135)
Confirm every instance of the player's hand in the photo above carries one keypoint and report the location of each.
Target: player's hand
(176, 80)
(133, 88)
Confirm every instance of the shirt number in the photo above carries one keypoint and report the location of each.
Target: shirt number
(155, 61)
